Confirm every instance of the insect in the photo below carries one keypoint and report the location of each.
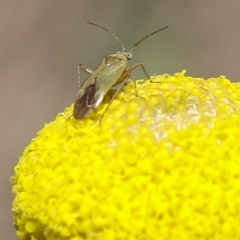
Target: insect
(111, 71)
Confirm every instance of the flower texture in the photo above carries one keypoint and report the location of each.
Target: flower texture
(163, 164)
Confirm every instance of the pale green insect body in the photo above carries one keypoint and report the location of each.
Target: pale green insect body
(110, 72)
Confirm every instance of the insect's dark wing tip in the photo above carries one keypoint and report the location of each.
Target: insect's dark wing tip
(84, 104)
(80, 111)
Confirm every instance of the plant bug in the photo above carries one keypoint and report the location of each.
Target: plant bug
(110, 72)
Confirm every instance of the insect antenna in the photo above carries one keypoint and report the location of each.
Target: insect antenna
(116, 38)
(147, 36)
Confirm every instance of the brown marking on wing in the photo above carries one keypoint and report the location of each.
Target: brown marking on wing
(83, 105)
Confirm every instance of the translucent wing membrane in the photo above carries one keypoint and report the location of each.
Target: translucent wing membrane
(84, 104)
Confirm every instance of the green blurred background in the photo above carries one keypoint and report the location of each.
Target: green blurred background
(42, 43)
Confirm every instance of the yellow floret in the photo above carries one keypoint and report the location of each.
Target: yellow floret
(163, 165)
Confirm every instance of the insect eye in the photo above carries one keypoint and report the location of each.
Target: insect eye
(128, 55)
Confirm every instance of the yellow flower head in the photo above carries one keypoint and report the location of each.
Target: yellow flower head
(163, 165)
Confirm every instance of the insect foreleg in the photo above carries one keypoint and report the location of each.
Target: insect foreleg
(88, 70)
(130, 69)
(144, 70)
(139, 65)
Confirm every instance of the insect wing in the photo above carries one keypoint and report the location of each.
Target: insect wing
(100, 81)
(111, 72)
(84, 103)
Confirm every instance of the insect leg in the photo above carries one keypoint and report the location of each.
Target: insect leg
(130, 69)
(121, 81)
(112, 98)
(144, 70)
(88, 70)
